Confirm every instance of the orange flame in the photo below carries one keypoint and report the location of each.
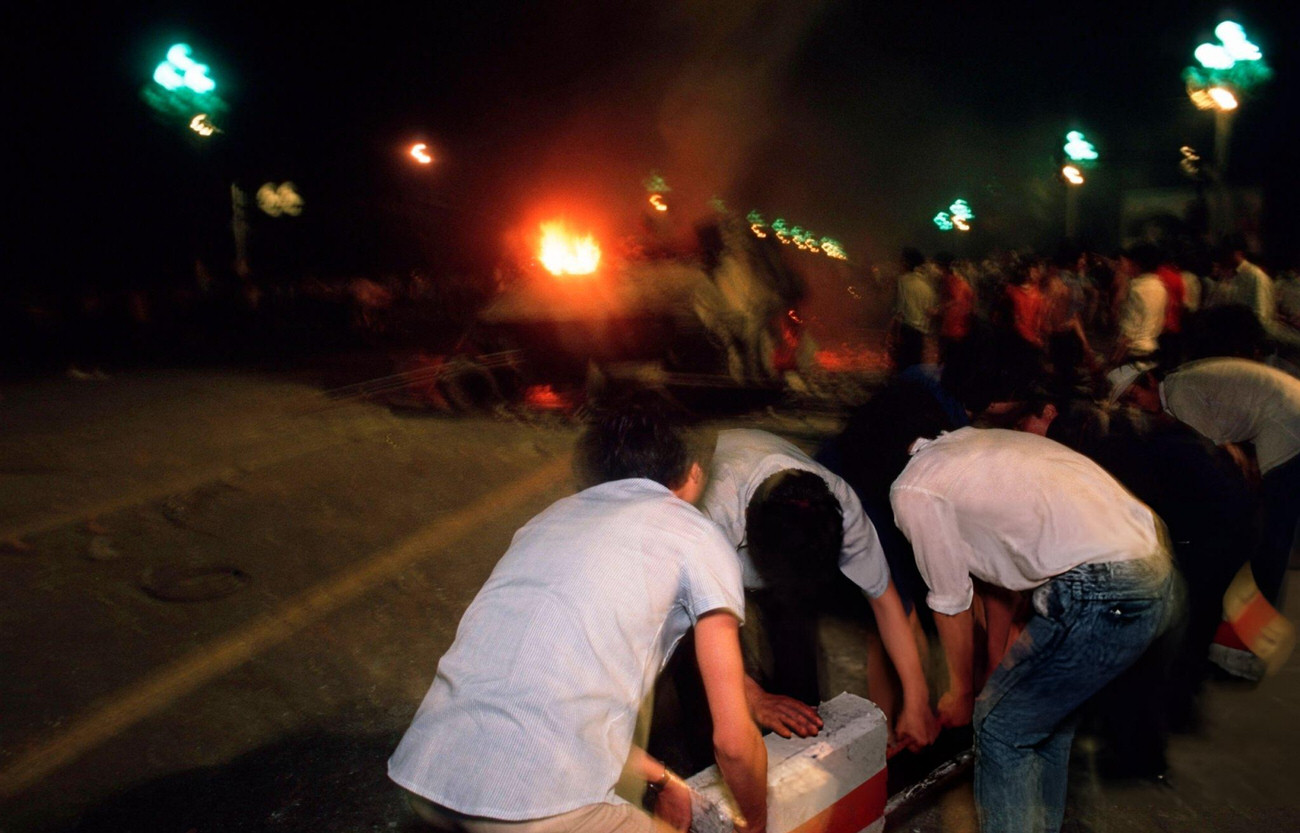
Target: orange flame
(564, 253)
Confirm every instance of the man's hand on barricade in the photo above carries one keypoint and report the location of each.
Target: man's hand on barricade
(783, 715)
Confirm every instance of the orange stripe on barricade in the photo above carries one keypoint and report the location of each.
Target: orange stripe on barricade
(1250, 622)
(858, 808)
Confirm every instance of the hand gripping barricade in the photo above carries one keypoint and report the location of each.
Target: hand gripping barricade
(831, 783)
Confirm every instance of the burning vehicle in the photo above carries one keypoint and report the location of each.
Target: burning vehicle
(736, 309)
(731, 309)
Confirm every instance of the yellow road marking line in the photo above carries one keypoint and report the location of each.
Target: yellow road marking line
(158, 690)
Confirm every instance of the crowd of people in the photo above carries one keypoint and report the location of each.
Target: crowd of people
(1063, 498)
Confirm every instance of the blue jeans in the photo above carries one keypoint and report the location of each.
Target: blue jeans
(1089, 625)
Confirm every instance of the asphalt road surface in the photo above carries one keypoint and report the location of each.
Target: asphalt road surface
(222, 597)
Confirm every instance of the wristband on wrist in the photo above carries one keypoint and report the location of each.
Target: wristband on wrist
(658, 784)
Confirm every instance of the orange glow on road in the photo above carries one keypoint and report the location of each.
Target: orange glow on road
(565, 253)
(546, 398)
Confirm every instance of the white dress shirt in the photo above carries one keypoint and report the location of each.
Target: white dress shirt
(1142, 318)
(743, 459)
(1013, 509)
(532, 710)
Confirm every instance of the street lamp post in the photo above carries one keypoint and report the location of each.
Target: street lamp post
(1079, 154)
(1226, 70)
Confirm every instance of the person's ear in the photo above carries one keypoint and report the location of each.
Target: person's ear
(692, 487)
(1049, 412)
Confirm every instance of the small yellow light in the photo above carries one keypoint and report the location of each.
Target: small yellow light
(420, 152)
(658, 202)
(200, 125)
(1072, 175)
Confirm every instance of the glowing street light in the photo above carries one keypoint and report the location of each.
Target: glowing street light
(420, 153)
(1223, 98)
(201, 125)
(182, 71)
(1226, 70)
(1079, 149)
(1072, 174)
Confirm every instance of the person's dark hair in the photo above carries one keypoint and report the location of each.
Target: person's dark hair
(912, 258)
(1229, 330)
(1080, 425)
(635, 435)
(875, 441)
(794, 530)
(944, 260)
(1147, 256)
(1028, 401)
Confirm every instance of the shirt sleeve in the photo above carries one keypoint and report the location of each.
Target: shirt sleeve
(942, 556)
(862, 558)
(712, 576)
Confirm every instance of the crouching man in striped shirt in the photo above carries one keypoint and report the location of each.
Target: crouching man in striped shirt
(528, 725)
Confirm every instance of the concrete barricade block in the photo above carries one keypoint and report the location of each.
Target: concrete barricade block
(831, 783)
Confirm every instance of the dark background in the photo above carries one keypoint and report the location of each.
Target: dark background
(859, 120)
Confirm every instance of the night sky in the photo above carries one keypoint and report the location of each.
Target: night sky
(860, 120)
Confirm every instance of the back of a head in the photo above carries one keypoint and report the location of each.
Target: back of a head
(1228, 330)
(1146, 256)
(794, 530)
(912, 258)
(635, 435)
(878, 434)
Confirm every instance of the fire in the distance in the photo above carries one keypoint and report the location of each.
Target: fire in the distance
(564, 252)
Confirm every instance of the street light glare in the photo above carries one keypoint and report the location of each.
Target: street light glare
(420, 152)
(1213, 56)
(1223, 98)
(1072, 175)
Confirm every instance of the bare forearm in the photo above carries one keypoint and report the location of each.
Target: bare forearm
(956, 635)
(741, 754)
(900, 644)
(743, 764)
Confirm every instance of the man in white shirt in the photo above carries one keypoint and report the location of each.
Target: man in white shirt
(1022, 512)
(528, 725)
(1233, 401)
(1250, 286)
(794, 524)
(915, 307)
(1142, 316)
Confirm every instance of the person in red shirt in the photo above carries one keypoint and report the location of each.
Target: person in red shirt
(1027, 304)
(1171, 338)
(957, 305)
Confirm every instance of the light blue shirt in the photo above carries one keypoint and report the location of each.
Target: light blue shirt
(743, 459)
(532, 710)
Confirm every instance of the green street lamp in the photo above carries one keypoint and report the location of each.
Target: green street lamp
(184, 91)
(1079, 149)
(181, 71)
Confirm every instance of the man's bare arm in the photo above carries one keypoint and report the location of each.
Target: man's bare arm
(956, 633)
(737, 744)
(916, 726)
